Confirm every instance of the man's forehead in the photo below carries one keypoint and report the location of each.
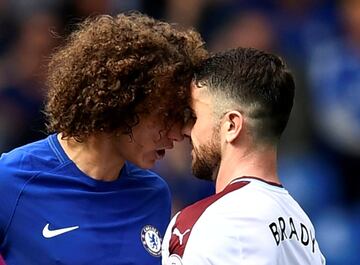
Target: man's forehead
(199, 94)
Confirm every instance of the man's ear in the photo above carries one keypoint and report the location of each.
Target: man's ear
(233, 124)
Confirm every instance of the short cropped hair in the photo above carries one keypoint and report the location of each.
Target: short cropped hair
(256, 83)
(113, 69)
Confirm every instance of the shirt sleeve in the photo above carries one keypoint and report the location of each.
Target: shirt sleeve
(10, 188)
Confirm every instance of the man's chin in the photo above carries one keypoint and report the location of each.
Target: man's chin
(205, 163)
(203, 173)
(204, 177)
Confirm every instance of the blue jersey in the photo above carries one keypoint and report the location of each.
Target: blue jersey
(52, 213)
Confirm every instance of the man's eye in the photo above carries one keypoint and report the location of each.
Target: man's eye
(189, 115)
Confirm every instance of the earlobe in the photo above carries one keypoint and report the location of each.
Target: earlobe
(234, 124)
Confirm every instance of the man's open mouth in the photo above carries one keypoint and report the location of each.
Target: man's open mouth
(160, 152)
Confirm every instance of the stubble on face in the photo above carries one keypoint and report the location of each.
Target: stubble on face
(206, 158)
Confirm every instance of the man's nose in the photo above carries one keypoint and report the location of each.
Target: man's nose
(175, 132)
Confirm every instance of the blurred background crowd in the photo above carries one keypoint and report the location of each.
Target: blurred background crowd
(319, 161)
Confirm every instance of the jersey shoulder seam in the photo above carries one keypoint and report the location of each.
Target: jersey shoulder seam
(21, 192)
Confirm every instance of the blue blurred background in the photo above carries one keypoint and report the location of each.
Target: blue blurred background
(319, 161)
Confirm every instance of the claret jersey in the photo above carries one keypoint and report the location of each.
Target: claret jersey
(52, 213)
(251, 222)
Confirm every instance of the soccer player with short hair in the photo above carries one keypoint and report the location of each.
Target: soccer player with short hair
(84, 195)
(241, 101)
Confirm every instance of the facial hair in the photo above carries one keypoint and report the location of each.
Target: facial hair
(206, 159)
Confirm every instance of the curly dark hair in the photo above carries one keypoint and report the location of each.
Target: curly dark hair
(112, 69)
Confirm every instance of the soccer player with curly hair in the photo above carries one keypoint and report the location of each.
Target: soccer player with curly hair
(117, 91)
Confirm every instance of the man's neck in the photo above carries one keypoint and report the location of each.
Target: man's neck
(96, 156)
(260, 163)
